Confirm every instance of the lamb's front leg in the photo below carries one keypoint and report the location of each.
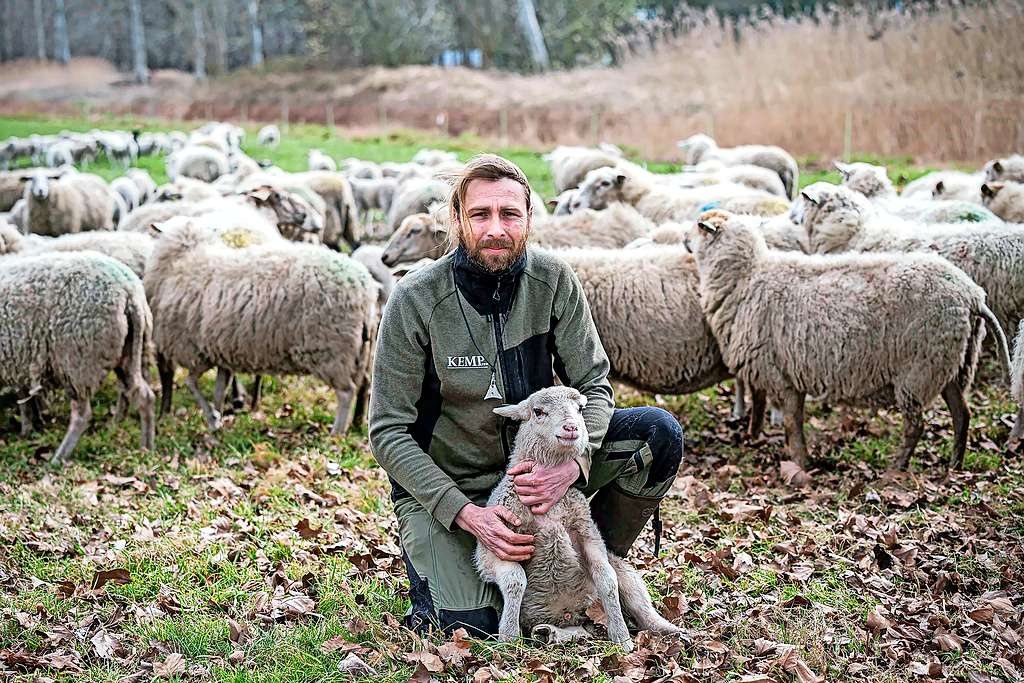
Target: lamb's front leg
(511, 580)
(607, 586)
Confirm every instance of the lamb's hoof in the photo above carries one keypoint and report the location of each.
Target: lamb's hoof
(626, 645)
(543, 633)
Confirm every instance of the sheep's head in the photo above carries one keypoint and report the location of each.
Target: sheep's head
(553, 430)
(695, 147)
(294, 216)
(10, 238)
(39, 182)
(419, 236)
(828, 213)
(601, 187)
(562, 205)
(706, 229)
(868, 179)
(1010, 168)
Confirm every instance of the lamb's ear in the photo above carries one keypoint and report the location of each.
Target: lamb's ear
(809, 197)
(583, 401)
(707, 227)
(520, 411)
(990, 189)
(619, 180)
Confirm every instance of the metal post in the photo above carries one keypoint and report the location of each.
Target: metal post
(503, 127)
(284, 115)
(330, 118)
(848, 137)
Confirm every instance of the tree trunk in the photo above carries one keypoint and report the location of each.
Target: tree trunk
(534, 37)
(220, 34)
(138, 42)
(200, 39)
(61, 47)
(257, 33)
(40, 30)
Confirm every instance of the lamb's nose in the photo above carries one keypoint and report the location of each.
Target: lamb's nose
(570, 430)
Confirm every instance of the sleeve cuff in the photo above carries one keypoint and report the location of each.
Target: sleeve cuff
(448, 508)
(584, 462)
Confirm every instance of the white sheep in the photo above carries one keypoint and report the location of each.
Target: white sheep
(434, 157)
(945, 185)
(415, 196)
(144, 183)
(699, 148)
(58, 202)
(570, 165)
(370, 256)
(130, 248)
(66, 321)
(1010, 168)
(359, 168)
(126, 188)
(318, 161)
(792, 325)
(1004, 199)
(549, 594)
(199, 162)
(269, 136)
(1017, 385)
(235, 309)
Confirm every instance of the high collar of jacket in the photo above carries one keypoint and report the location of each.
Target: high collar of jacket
(488, 293)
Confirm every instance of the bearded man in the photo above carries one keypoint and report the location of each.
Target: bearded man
(487, 325)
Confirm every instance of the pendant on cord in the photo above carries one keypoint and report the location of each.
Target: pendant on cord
(492, 391)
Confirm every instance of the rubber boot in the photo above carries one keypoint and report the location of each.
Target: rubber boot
(620, 517)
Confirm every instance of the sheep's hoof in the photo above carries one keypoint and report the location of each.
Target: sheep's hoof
(626, 645)
(507, 637)
(543, 633)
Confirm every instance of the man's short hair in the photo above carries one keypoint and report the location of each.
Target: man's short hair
(481, 167)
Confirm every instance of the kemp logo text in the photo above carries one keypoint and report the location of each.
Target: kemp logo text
(468, 362)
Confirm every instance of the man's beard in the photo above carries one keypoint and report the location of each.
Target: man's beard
(496, 263)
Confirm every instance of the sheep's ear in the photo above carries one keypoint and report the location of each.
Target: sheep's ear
(620, 179)
(940, 187)
(583, 401)
(997, 166)
(707, 227)
(809, 197)
(519, 411)
(842, 168)
(157, 227)
(261, 194)
(551, 203)
(438, 227)
(990, 189)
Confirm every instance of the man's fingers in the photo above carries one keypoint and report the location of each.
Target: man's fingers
(512, 537)
(540, 508)
(512, 553)
(507, 516)
(521, 468)
(530, 501)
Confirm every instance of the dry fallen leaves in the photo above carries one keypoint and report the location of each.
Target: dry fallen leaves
(173, 665)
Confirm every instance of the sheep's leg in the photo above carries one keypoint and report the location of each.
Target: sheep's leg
(220, 386)
(913, 427)
(511, 580)
(636, 601)
(776, 417)
(137, 389)
(30, 414)
(793, 422)
(342, 417)
(739, 400)
(549, 634)
(362, 402)
(257, 392)
(756, 424)
(954, 398)
(165, 370)
(212, 416)
(81, 413)
(1017, 433)
(607, 587)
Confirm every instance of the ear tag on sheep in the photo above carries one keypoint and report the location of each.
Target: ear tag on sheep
(492, 391)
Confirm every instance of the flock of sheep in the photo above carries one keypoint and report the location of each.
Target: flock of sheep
(845, 293)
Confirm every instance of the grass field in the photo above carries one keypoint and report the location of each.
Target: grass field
(268, 551)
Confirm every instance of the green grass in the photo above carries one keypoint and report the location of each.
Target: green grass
(206, 527)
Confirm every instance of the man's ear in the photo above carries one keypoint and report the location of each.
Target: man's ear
(519, 411)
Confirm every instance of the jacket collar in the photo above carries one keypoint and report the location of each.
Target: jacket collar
(488, 293)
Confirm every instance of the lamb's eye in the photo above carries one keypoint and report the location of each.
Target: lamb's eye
(538, 412)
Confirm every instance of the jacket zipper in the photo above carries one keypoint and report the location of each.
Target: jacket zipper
(505, 379)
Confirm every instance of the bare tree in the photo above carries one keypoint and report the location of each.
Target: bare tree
(257, 33)
(138, 42)
(534, 37)
(220, 34)
(37, 5)
(61, 46)
(200, 39)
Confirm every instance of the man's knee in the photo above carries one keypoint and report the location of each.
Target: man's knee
(664, 436)
(424, 616)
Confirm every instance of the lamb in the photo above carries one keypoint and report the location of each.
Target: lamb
(1017, 385)
(269, 136)
(698, 148)
(61, 202)
(790, 325)
(47, 304)
(660, 203)
(570, 165)
(548, 595)
(1005, 200)
(318, 161)
(1010, 169)
(415, 196)
(234, 309)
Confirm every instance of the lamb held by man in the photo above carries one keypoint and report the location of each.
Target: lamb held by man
(548, 595)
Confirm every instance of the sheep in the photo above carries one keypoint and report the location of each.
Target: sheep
(791, 325)
(570, 165)
(234, 308)
(370, 256)
(358, 168)
(119, 147)
(269, 136)
(562, 204)
(342, 222)
(1017, 385)
(130, 248)
(12, 185)
(59, 154)
(372, 193)
(1005, 200)
(185, 189)
(660, 203)
(318, 161)
(11, 240)
(19, 215)
(66, 320)
(434, 157)
(143, 183)
(698, 148)
(420, 236)
(199, 162)
(870, 180)
(61, 202)
(1011, 168)
(945, 185)
(126, 188)
(415, 196)
(242, 165)
(549, 594)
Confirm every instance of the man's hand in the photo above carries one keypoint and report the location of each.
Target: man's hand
(491, 525)
(540, 487)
